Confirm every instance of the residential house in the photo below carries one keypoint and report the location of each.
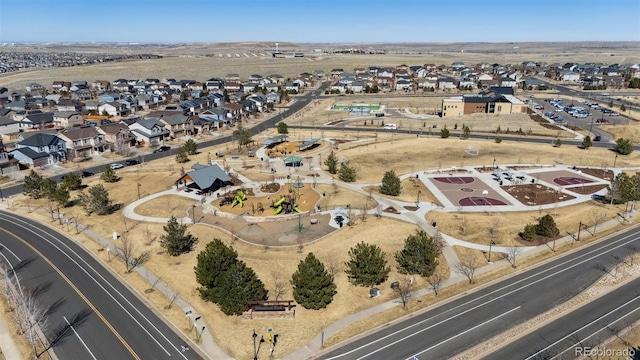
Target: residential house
(467, 83)
(81, 94)
(69, 105)
(232, 77)
(233, 111)
(419, 71)
(65, 119)
(357, 86)
(319, 74)
(485, 84)
(276, 78)
(109, 97)
(179, 125)
(445, 83)
(37, 120)
(385, 73)
(34, 88)
(425, 83)
(55, 98)
(101, 85)
(292, 86)
(147, 102)
(91, 106)
(569, 76)
(122, 87)
(336, 72)
(216, 118)
(149, 132)
(113, 109)
(274, 97)
(8, 164)
(404, 85)
(118, 137)
(9, 128)
(509, 82)
(260, 100)
(232, 86)
(271, 87)
(82, 142)
(532, 83)
(256, 78)
(58, 86)
(40, 149)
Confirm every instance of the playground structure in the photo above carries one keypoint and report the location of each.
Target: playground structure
(285, 205)
(239, 199)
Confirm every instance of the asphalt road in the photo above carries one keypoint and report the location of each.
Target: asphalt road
(110, 321)
(451, 328)
(587, 326)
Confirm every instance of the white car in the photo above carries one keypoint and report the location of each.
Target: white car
(614, 114)
(116, 166)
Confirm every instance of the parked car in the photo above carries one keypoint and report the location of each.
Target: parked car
(161, 149)
(607, 111)
(597, 138)
(602, 121)
(87, 174)
(116, 166)
(131, 162)
(614, 114)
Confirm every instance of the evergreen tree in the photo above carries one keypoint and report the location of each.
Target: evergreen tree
(213, 262)
(557, 143)
(238, 285)
(32, 186)
(243, 135)
(367, 265)
(96, 201)
(72, 181)
(466, 131)
(331, 162)
(61, 195)
(390, 184)
(191, 147)
(419, 255)
(48, 187)
(181, 156)
(444, 133)
(313, 286)
(347, 172)
(109, 175)
(623, 146)
(283, 128)
(176, 240)
(623, 108)
(547, 227)
(586, 142)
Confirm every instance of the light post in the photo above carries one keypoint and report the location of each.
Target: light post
(614, 160)
(193, 213)
(418, 199)
(139, 191)
(490, 244)
(581, 178)
(494, 163)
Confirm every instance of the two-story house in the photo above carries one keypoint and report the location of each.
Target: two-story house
(178, 125)
(40, 149)
(7, 163)
(149, 132)
(65, 119)
(118, 137)
(82, 142)
(37, 120)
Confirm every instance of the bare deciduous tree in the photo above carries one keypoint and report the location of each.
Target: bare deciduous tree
(379, 211)
(334, 266)
(463, 225)
(611, 270)
(597, 217)
(405, 290)
(467, 266)
(436, 279)
(129, 254)
(512, 255)
(149, 236)
(279, 283)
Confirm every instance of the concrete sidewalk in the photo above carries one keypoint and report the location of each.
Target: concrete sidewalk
(8, 347)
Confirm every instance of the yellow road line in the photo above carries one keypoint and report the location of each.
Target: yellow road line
(63, 276)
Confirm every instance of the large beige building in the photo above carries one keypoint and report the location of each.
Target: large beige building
(495, 100)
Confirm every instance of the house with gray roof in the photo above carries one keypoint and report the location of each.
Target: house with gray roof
(178, 125)
(82, 142)
(40, 149)
(149, 132)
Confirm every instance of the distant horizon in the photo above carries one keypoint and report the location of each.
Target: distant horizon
(318, 22)
(5, 42)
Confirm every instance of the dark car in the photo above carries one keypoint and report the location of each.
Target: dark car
(87, 174)
(161, 149)
(597, 138)
(131, 162)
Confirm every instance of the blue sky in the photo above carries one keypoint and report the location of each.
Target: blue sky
(312, 21)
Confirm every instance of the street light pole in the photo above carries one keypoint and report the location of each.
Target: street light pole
(614, 160)
(138, 191)
(490, 244)
(418, 199)
(193, 213)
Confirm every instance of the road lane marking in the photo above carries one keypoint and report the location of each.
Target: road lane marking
(586, 325)
(79, 338)
(66, 279)
(598, 250)
(464, 332)
(12, 270)
(102, 287)
(9, 250)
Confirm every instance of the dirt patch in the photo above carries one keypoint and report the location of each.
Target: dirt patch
(536, 194)
(270, 188)
(166, 206)
(411, 208)
(602, 173)
(391, 210)
(585, 190)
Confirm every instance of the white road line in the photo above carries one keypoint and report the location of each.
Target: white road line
(563, 268)
(79, 338)
(585, 326)
(9, 250)
(102, 287)
(12, 270)
(464, 332)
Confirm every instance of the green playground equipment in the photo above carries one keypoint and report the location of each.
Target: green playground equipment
(278, 210)
(239, 199)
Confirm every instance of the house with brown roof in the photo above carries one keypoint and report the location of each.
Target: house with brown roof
(101, 85)
(82, 142)
(7, 164)
(179, 125)
(65, 119)
(118, 137)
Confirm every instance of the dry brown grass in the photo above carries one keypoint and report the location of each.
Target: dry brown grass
(178, 206)
(409, 192)
(338, 196)
(474, 227)
(416, 154)
(631, 132)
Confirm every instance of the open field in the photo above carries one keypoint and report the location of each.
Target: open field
(191, 62)
(477, 227)
(166, 206)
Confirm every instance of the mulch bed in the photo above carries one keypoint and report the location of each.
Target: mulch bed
(599, 173)
(585, 190)
(391, 210)
(411, 208)
(536, 194)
